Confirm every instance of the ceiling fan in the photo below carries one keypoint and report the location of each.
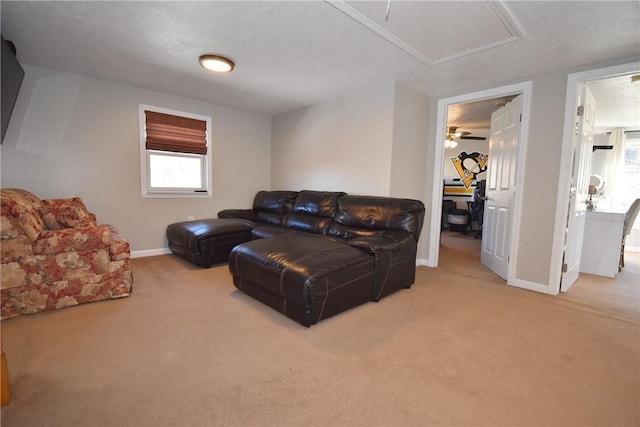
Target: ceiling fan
(452, 134)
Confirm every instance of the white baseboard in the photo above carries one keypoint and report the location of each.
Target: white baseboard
(150, 252)
(533, 286)
(423, 262)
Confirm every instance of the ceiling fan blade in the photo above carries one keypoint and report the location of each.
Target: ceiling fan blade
(478, 138)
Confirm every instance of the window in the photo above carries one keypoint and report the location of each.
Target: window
(628, 187)
(174, 153)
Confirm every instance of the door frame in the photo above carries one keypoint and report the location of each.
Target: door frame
(523, 89)
(574, 81)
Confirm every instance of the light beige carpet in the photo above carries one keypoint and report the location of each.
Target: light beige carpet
(460, 348)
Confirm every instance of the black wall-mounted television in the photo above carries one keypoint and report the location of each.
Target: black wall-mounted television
(12, 75)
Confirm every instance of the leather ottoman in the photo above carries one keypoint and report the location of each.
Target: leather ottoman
(307, 278)
(207, 242)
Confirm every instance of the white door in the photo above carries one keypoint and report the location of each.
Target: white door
(501, 175)
(579, 186)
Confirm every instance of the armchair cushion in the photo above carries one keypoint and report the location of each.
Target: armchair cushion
(20, 215)
(66, 213)
(61, 217)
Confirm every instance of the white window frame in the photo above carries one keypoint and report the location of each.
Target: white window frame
(205, 160)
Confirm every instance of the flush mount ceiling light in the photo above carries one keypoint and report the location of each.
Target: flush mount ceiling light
(216, 63)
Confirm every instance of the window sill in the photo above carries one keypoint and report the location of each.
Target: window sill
(181, 195)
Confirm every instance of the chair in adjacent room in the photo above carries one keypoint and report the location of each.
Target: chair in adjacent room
(629, 219)
(477, 207)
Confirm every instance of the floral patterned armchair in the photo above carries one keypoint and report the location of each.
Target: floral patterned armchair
(53, 255)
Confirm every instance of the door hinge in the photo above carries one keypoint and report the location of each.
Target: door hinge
(581, 110)
(521, 117)
(564, 267)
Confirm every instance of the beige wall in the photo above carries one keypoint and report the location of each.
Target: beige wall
(409, 143)
(541, 174)
(76, 136)
(342, 145)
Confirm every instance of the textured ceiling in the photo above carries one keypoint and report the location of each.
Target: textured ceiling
(617, 103)
(294, 53)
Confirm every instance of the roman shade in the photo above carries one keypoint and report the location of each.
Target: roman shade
(166, 132)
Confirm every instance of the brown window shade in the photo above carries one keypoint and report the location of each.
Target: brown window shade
(166, 132)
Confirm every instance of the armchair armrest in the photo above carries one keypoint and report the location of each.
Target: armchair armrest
(387, 241)
(118, 246)
(237, 214)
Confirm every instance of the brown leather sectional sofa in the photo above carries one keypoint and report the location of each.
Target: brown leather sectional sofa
(310, 254)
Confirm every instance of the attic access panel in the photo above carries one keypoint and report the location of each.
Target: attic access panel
(436, 31)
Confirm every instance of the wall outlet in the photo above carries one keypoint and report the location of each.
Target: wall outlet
(190, 218)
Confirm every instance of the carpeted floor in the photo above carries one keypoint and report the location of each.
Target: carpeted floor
(460, 348)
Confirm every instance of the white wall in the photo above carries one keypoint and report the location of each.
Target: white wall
(77, 136)
(341, 145)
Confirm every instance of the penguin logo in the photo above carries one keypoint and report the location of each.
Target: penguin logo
(470, 165)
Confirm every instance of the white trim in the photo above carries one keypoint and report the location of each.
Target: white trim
(150, 252)
(566, 158)
(524, 89)
(498, 9)
(421, 262)
(533, 286)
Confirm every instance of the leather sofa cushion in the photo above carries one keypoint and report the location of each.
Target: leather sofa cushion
(299, 269)
(317, 203)
(271, 207)
(378, 213)
(188, 234)
(267, 231)
(313, 211)
(274, 201)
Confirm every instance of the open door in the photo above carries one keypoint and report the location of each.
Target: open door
(579, 186)
(500, 190)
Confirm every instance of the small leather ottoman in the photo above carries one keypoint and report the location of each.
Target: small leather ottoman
(208, 241)
(305, 278)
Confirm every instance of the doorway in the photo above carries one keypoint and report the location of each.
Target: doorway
(466, 148)
(523, 89)
(576, 84)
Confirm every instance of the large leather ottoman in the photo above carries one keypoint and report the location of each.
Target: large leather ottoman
(208, 241)
(304, 276)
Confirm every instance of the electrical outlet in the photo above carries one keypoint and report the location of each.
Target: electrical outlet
(190, 218)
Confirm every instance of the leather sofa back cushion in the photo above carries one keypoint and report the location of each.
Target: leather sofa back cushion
(278, 202)
(309, 223)
(271, 207)
(381, 213)
(313, 211)
(317, 203)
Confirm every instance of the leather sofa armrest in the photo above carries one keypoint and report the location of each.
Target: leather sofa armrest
(237, 214)
(387, 241)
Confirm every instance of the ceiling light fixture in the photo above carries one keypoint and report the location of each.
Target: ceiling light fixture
(450, 143)
(216, 63)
